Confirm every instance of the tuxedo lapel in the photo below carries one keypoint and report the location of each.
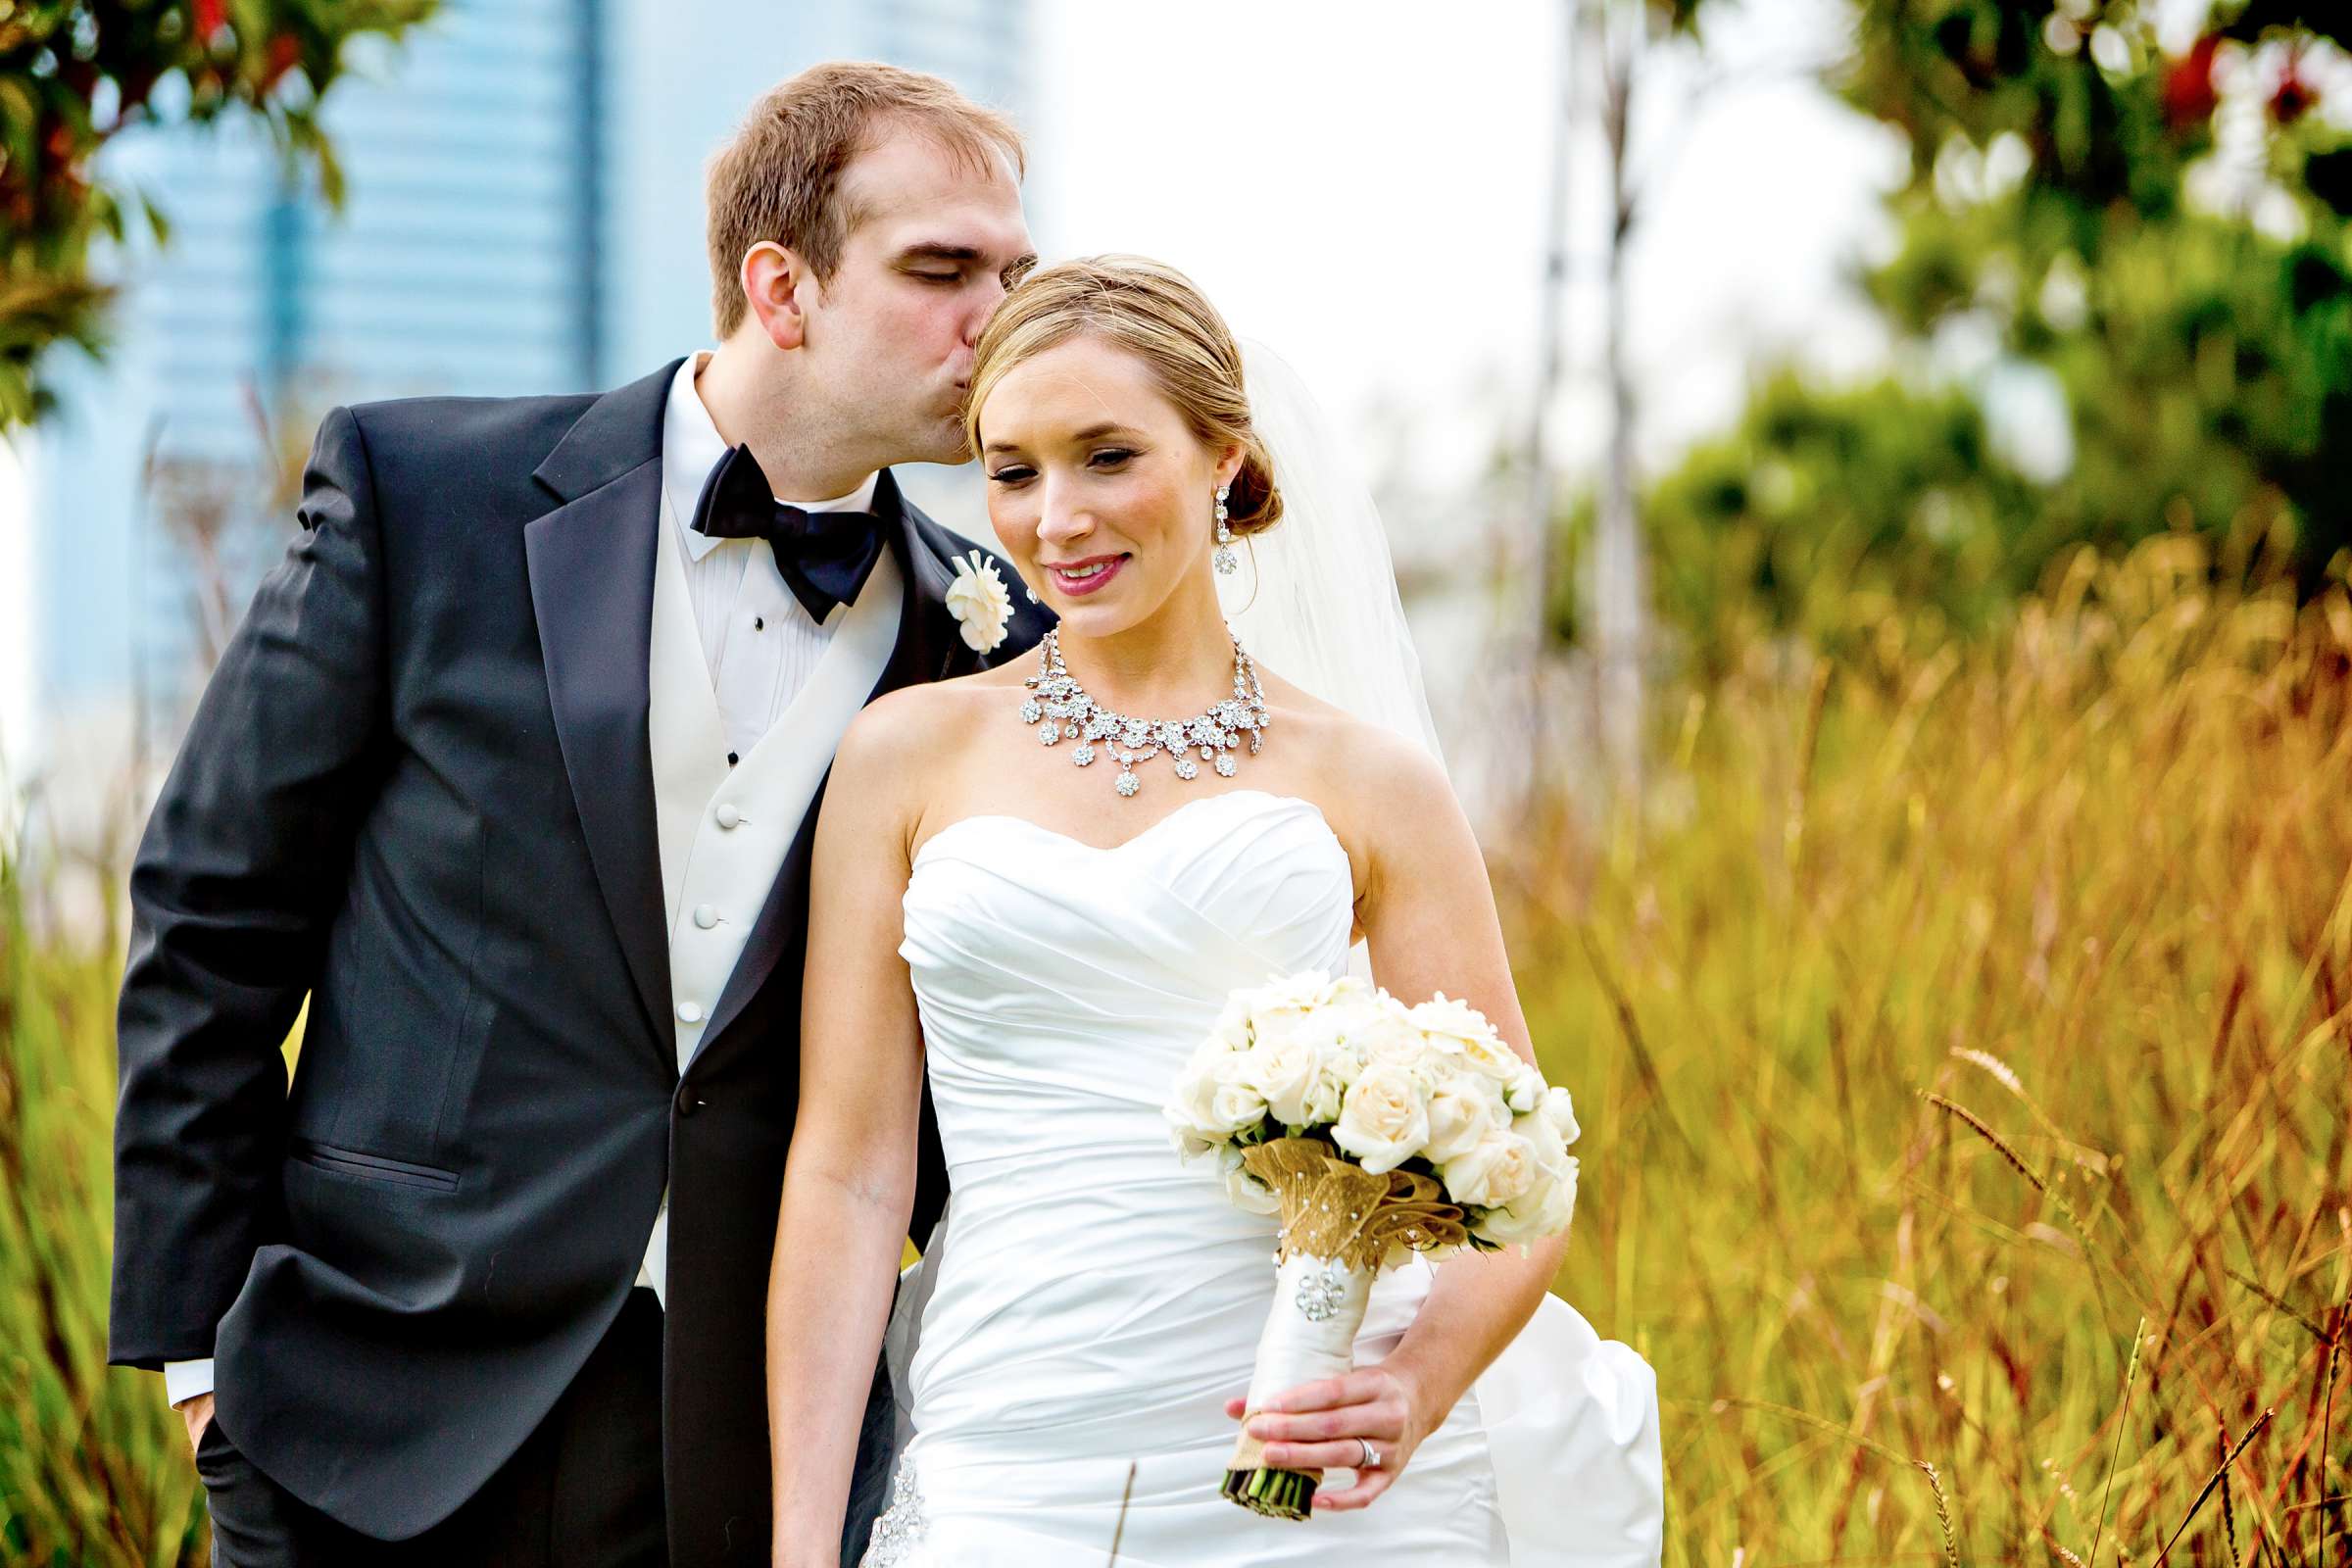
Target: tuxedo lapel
(591, 563)
(931, 646)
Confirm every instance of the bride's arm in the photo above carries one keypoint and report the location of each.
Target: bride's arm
(1428, 914)
(849, 1181)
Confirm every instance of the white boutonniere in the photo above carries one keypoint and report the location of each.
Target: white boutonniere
(980, 602)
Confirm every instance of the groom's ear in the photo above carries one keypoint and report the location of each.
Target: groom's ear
(775, 289)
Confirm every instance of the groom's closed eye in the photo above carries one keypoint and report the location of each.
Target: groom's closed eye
(940, 263)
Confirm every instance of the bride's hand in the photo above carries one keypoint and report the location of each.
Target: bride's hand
(1324, 1426)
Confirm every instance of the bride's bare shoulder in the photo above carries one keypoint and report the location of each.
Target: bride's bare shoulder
(912, 726)
(923, 710)
(1375, 782)
(1348, 748)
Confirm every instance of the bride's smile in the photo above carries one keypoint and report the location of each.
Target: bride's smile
(1084, 577)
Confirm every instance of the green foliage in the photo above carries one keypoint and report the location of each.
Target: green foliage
(2207, 359)
(2071, 201)
(76, 72)
(94, 1468)
(1827, 507)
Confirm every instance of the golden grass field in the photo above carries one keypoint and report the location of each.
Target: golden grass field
(1954, 1017)
(1963, 1040)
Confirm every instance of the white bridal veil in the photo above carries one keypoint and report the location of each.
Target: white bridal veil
(1316, 596)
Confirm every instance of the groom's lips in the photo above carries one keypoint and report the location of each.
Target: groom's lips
(1085, 585)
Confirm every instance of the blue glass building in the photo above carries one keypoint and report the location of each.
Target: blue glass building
(523, 213)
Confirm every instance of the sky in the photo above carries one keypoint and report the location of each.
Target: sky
(1370, 199)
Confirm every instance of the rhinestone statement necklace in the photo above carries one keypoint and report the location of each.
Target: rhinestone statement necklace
(1067, 711)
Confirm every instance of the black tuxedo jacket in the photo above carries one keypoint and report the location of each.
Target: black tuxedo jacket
(418, 792)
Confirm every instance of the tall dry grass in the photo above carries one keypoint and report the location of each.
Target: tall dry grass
(1964, 1042)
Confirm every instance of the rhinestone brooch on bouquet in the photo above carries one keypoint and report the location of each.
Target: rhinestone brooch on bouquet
(1061, 704)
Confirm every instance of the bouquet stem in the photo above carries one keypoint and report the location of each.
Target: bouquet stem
(1340, 1223)
(1318, 1306)
(1276, 1494)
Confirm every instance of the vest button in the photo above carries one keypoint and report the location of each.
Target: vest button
(727, 816)
(706, 915)
(690, 1013)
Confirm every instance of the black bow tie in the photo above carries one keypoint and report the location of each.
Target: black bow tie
(825, 555)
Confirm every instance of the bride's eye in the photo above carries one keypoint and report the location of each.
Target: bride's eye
(1010, 473)
(1109, 458)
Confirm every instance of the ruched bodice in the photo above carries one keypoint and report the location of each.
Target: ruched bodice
(1062, 984)
(1095, 1300)
(1061, 987)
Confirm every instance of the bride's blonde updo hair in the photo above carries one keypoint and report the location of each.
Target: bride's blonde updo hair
(1155, 314)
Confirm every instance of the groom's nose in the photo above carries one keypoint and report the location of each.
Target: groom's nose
(986, 297)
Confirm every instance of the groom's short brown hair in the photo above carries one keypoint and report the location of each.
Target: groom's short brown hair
(779, 178)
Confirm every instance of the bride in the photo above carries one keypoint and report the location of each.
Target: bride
(1046, 930)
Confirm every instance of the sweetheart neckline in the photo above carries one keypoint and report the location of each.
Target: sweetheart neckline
(1136, 838)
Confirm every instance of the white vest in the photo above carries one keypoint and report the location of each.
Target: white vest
(724, 831)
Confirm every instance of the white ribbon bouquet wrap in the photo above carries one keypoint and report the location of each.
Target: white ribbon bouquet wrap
(1374, 1130)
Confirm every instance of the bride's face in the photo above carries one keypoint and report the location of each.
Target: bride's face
(1096, 486)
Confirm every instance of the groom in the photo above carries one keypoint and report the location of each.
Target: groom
(512, 771)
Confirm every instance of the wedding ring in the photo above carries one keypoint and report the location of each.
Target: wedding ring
(1371, 1456)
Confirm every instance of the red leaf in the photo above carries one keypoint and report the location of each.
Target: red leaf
(2189, 98)
(285, 53)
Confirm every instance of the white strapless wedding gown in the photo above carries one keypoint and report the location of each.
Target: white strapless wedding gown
(1094, 1302)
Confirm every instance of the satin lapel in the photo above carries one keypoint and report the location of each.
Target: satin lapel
(926, 650)
(591, 563)
(929, 639)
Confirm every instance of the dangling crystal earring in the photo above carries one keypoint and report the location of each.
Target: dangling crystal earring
(1225, 561)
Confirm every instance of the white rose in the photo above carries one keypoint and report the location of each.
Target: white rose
(1384, 1121)
(1231, 1031)
(1192, 1140)
(1288, 1069)
(1498, 1170)
(1541, 1136)
(1456, 1028)
(1297, 992)
(1547, 1210)
(1462, 1110)
(1281, 1008)
(1526, 1090)
(1236, 1106)
(1383, 1031)
(1560, 1111)
(1213, 1098)
(980, 602)
(1247, 1192)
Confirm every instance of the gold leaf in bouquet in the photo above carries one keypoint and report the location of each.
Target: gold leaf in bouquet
(1333, 1208)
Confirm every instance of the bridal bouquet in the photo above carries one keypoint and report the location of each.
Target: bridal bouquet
(1374, 1130)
